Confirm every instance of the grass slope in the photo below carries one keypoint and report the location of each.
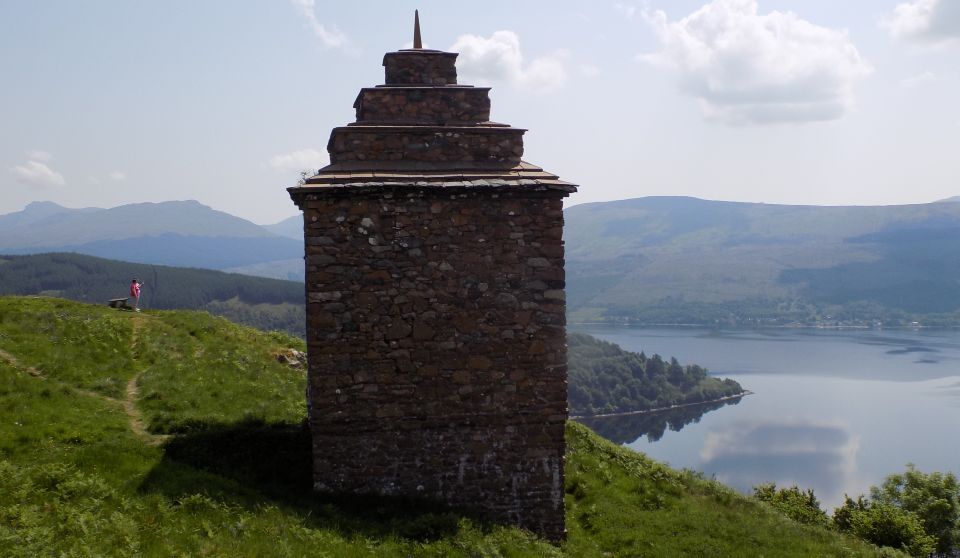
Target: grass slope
(86, 394)
(256, 301)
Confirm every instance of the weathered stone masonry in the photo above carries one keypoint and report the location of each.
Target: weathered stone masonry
(435, 291)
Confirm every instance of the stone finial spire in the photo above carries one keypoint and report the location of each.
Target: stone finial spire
(417, 43)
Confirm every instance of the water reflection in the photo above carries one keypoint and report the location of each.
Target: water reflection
(835, 411)
(951, 391)
(810, 455)
(624, 429)
(897, 355)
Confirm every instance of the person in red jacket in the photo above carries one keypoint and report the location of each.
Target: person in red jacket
(135, 294)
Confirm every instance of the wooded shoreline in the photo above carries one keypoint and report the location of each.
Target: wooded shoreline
(661, 409)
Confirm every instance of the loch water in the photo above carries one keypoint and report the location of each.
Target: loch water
(832, 410)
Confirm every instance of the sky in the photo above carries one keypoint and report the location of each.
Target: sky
(820, 102)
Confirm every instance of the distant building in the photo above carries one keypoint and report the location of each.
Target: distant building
(435, 303)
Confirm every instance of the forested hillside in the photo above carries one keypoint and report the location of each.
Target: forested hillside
(267, 304)
(603, 378)
(672, 260)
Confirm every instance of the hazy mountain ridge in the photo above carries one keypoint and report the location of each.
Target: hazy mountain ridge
(37, 212)
(176, 233)
(291, 227)
(207, 252)
(654, 259)
(78, 227)
(290, 269)
(286, 268)
(628, 257)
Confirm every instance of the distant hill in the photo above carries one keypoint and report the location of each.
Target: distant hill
(179, 233)
(646, 260)
(267, 304)
(289, 270)
(291, 227)
(687, 260)
(36, 212)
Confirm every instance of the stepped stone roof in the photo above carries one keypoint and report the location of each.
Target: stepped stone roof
(422, 129)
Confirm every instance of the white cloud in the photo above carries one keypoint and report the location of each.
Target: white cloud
(628, 10)
(35, 173)
(300, 160)
(747, 68)
(39, 155)
(918, 80)
(330, 37)
(498, 58)
(925, 20)
(589, 70)
(117, 175)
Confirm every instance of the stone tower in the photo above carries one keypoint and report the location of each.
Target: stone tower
(435, 303)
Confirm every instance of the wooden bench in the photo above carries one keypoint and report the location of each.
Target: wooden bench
(120, 303)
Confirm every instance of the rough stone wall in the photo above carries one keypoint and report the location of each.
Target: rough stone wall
(424, 105)
(427, 144)
(436, 334)
(420, 67)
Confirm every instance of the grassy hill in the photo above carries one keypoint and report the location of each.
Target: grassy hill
(178, 433)
(278, 305)
(699, 261)
(263, 303)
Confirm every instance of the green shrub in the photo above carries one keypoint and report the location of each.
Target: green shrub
(884, 525)
(792, 502)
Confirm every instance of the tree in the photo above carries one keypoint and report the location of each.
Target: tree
(933, 497)
(884, 525)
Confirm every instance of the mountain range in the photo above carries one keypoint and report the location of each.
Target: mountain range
(646, 260)
(176, 233)
(687, 260)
